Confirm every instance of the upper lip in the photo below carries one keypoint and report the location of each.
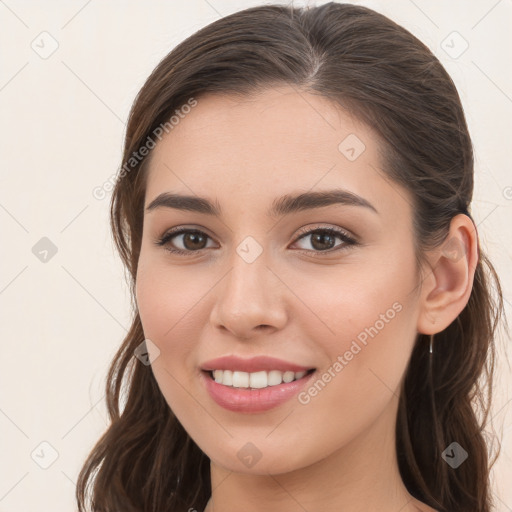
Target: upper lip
(253, 364)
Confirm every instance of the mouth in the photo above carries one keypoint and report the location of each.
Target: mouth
(254, 392)
(255, 380)
(253, 385)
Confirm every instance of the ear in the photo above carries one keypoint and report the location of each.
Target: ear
(448, 280)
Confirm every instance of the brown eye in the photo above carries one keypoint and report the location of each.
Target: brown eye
(324, 239)
(187, 241)
(194, 241)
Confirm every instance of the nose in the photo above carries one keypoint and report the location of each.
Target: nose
(250, 300)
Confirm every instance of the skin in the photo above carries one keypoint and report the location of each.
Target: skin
(337, 452)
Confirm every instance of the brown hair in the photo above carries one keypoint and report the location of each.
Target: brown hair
(387, 78)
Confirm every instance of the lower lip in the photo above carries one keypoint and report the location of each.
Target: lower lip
(253, 400)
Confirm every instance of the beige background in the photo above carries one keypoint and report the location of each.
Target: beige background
(62, 125)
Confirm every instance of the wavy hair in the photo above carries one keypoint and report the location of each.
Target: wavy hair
(384, 76)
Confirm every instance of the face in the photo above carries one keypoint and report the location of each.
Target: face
(323, 283)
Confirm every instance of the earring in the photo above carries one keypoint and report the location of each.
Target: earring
(431, 343)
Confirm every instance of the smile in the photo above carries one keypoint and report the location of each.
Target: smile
(255, 380)
(253, 385)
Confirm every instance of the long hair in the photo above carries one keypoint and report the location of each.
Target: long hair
(384, 76)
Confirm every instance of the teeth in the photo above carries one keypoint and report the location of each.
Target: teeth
(288, 376)
(240, 380)
(227, 377)
(256, 380)
(275, 377)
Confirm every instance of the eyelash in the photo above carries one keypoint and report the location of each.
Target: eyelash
(348, 240)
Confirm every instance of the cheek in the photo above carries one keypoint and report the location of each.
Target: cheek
(167, 299)
(167, 302)
(166, 306)
(368, 331)
(361, 302)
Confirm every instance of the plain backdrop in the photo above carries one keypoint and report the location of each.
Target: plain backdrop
(69, 71)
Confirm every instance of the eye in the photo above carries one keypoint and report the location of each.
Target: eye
(324, 239)
(194, 240)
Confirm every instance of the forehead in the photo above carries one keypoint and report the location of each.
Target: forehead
(268, 144)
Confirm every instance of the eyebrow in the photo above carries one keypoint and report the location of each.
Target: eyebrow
(284, 205)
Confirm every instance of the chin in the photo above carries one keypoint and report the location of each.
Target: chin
(268, 460)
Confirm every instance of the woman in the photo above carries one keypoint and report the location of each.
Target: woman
(312, 307)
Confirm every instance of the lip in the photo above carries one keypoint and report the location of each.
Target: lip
(253, 364)
(243, 400)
